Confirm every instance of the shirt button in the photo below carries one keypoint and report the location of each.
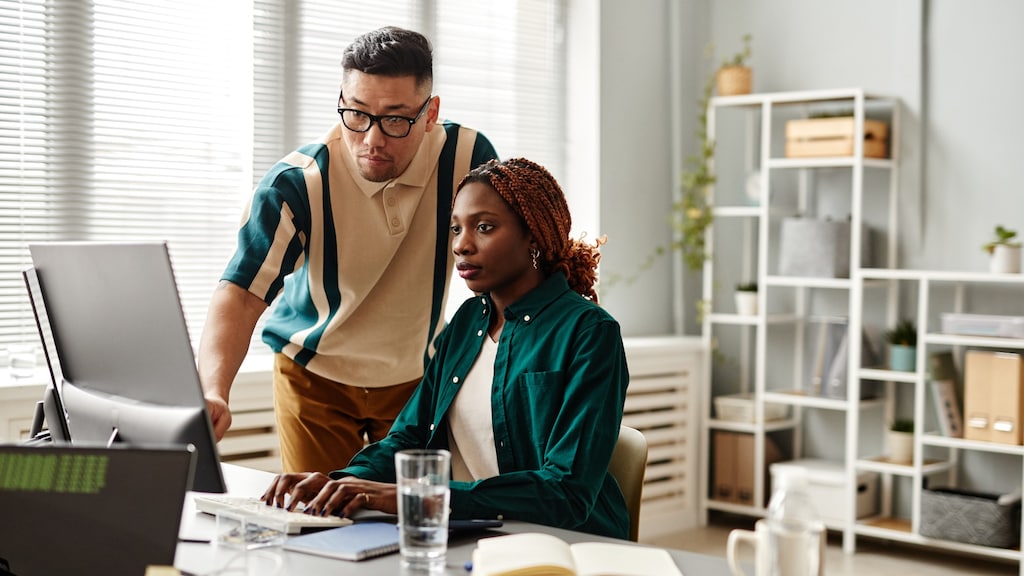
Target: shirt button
(501, 444)
(396, 222)
(526, 318)
(431, 427)
(479, 332)
(391, 201)
(455, 379)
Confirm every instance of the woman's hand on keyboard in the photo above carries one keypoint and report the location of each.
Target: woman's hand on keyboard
(288, 490)
(323, 496)
(349, 494)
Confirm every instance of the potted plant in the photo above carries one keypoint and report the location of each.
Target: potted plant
(746, 299)
(903, 346)
(901, 441)
(1004, 252)
(734, 76)
(692, 215)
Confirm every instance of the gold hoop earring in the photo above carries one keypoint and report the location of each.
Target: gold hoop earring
(534, 253)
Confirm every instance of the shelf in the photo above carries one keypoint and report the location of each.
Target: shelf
(750, 427)
(807, 282)
(976, 445)
(800, 398)
(735, 508)
(748, 320)
(829, 162)
(883, 465)
(737, 211)
(978, 341)
(885, 375)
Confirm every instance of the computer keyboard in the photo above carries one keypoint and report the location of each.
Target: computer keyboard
(254, 507)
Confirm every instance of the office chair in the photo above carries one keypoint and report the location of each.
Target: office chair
(629, 462)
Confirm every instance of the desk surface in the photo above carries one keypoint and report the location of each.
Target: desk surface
(204, 558)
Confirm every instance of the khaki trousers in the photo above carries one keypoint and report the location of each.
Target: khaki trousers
(322, 424)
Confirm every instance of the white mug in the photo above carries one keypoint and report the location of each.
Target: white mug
(799, 555)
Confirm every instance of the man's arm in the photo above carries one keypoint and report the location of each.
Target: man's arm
(230, 322)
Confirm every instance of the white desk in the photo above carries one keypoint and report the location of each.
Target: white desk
(206, 558)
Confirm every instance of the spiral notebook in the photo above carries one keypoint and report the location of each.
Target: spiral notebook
(354, 542)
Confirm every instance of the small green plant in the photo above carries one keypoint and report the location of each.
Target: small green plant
(1003, 237)
(740, 58)
(746, 287)
(903, 425)
(904, 334)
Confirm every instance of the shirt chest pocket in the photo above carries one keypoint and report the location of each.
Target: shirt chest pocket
(541, 395)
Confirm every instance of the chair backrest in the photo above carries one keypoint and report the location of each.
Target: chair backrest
(629, 462)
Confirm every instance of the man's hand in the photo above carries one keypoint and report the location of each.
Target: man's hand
(220, 415)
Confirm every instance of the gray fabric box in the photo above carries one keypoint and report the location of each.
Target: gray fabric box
(970, 517)
(817, 248)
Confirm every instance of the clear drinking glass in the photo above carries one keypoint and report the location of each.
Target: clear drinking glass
(423, 496)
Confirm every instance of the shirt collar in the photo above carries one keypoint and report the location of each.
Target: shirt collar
(536, 300)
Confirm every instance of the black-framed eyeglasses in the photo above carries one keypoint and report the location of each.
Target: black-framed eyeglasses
(391, 125)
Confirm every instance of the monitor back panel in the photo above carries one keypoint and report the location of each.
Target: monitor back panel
(118, 300)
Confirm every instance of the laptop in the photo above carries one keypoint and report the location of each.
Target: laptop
(85, 510)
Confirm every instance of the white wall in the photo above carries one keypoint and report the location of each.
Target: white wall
(951, 63)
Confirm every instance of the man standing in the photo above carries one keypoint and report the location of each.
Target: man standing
(352, 232)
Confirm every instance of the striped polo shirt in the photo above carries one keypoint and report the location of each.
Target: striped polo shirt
(359, 270)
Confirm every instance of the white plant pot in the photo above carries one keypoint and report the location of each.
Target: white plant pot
(901, 446)
(746, 303)
(1005, 260)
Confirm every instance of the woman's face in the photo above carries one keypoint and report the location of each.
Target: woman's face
(491, 245)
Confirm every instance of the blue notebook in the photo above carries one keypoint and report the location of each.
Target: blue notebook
(354, 542)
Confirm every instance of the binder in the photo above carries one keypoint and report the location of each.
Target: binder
(943, 377)
(993, 400)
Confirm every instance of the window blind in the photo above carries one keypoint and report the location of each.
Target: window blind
(131, 120)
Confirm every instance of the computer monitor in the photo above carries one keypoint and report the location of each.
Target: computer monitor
(53, 407)
(122, 346)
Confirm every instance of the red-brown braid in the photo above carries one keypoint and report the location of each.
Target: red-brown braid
(534, 194)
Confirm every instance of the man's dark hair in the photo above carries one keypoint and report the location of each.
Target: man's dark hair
(391, 51)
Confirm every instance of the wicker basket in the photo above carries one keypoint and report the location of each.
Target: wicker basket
(969, 517)
(733, 80)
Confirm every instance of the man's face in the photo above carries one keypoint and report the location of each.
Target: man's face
(381, 157)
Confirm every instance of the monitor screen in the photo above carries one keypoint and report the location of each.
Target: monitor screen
(129, 372)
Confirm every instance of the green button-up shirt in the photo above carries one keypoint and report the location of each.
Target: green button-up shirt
(560, 380)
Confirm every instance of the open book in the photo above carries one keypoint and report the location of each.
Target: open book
(534, 553)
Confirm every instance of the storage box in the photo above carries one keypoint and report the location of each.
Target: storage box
(983, 325)
(740, 408)
(818, 248)
(827, 488)
(814, 137)
(970, 517)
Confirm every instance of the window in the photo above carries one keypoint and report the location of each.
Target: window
(143, 120)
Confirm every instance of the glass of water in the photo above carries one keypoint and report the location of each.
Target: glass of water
(423, 496)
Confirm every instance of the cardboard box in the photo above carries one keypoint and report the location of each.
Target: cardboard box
(813, 137)
(826, 485)
(993, 399)
(734, 478)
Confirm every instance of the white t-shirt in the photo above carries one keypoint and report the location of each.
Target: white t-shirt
(470, 429)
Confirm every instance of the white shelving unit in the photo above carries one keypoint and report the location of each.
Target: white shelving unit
(787, 187)
(936, 457)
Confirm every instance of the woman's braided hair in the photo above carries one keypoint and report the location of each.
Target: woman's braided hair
(535, 196)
